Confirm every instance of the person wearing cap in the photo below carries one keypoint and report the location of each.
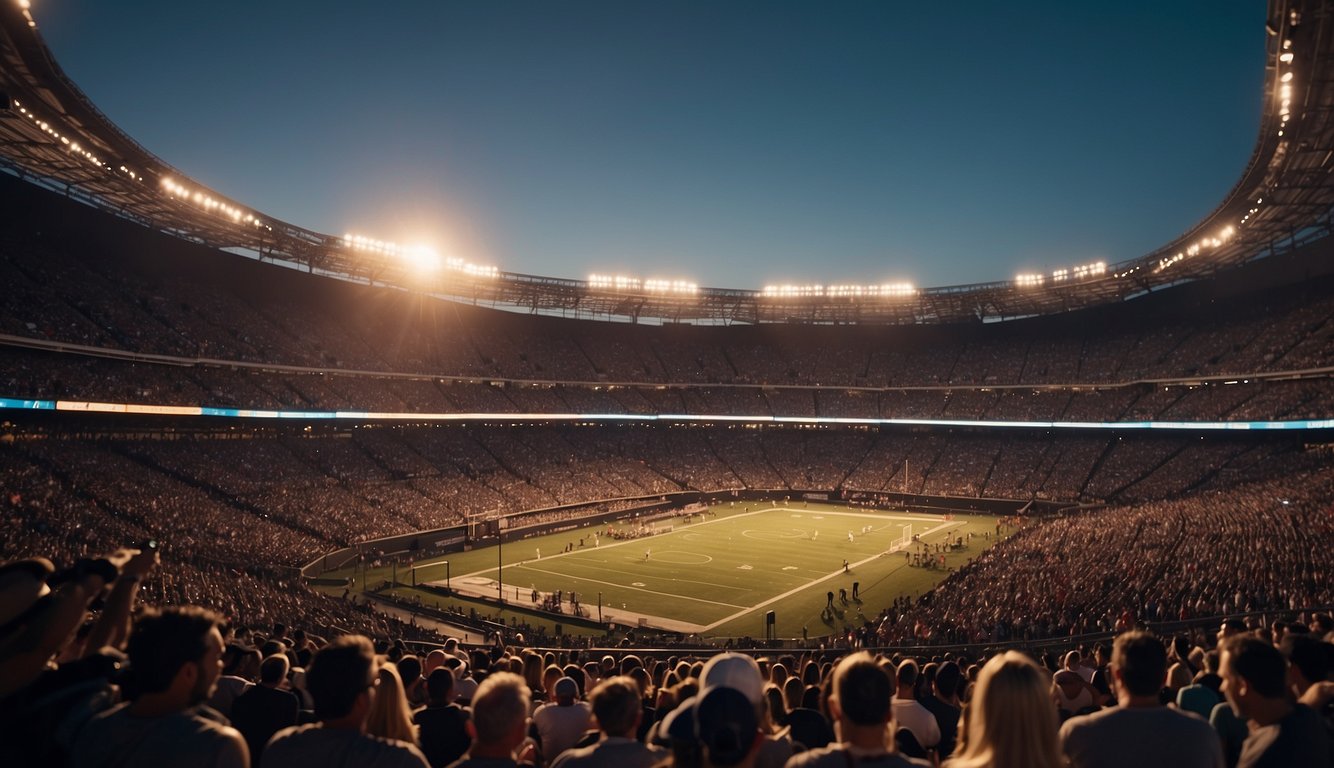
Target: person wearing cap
(859, 702)
(616, 706)
(560, 723)
(727, 727)
(742, 673)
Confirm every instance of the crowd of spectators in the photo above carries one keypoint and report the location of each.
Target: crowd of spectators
(1260, 546)
(367, 348)
(92, 678)
(37, 375)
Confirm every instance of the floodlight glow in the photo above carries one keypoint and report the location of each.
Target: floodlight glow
(1285, 57)
(1028, 280)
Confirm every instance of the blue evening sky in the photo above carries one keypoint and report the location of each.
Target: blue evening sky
(735, 144)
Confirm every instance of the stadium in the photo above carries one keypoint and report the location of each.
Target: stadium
(312, 434)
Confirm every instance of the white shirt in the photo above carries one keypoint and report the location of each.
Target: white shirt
(918, 719)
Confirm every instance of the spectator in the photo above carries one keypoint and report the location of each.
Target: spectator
(560, 723)
(499, 722)
(1010, 720)
(1140, 731)
(175, 657)
(727, 729)
(1283, 733)
(910, 714)
(342, 680)
(945, 706)
(267, 708)
(442, 725)
(741, 673)
(863, 720)
(390, 715)
(616, 705)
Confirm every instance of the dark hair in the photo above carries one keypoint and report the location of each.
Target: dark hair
(439, 684)
(616, 705)
(410, 669)
(864, 689)
(1309, 655)
(727, 725)
(948, 678)
(273, 669)
(907, 673)
(1141, 659)
(1259, 664)
(339, 673)
(164, 641)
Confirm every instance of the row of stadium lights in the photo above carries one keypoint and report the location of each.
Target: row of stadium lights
(884, 290)
(420, 257)
(1065, 274)
(208, 203)
(73, 146)
(170, 186)
(628, 284)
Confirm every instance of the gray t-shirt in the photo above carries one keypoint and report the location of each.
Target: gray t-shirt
(1143, 737)
(839, 756)
(315, 745)
(117, 738)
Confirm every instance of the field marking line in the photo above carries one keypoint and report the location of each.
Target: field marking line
(636, 589)
(944, 524)
(623, 542)
(636, 575)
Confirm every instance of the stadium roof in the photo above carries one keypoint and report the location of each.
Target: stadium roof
(53, 135)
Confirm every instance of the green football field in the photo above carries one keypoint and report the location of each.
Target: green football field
(719, 574)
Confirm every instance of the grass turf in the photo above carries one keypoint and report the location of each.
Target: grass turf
(724, 571)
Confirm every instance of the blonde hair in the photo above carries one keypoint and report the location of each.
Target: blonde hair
(390, 717)
(1011, 721)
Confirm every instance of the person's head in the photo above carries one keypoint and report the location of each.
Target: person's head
(792, 689)
(907, 675)
(409, 670)
(1308, 660)
(342, 679)
(727, 727)
(1253, 672)
(274, 669)
(532, 671)
(440, 686)
(1230, 628)
(948, 680)
(566, 691)
(1139, 664)
(1011, 720)
(390, 716)
(500, 711)
(861, 695)
(616, 705)
(175, 651)
(736, 671)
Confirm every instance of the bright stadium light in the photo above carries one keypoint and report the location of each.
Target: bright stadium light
(1028, 280)
(422, 258)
